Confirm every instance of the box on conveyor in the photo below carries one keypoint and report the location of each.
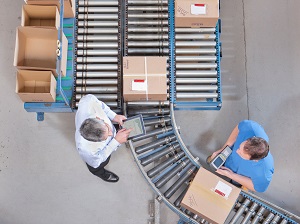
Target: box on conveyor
(210, 197)
(196, 13)
(69, 5)
(40, 16)
(36, 49)
(144, 78)
(36, 86)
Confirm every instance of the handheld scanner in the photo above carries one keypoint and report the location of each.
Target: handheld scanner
(220, 159)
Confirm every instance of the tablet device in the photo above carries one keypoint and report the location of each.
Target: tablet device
(137, 124)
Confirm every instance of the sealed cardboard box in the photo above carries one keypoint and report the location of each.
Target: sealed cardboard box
(40, 16)
(36, 49)
(144, 78)
(196, 13)
(36, 86)
(210, 197)
(69, 5)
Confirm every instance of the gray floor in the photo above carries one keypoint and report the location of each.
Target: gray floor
(43, 180)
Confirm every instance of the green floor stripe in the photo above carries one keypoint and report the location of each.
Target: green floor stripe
(59, 98)
(69, 35)
(69, 58)
(70, 48)
(68, 25)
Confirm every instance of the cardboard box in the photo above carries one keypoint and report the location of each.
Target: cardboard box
(36, 86)
(40, 16)
(144, 78)
(210, 197)
(69, 5)
(36, 49)
(196, 13)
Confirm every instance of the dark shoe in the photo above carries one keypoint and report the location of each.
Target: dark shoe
(109, 176)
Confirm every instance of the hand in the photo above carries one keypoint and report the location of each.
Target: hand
(119, 119)
(224, 171)
(122, 135)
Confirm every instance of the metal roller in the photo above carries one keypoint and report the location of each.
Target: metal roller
(196, 74)
(171, 149)
(97, 16)
(96, 82)
(148, 29)
(157, 169)
(195, 65)
(148, 103)
(108, 103)
(196, 95)
(250, 213)
(158, 8)
(83, 10)
(157, 121)
(148, 16)
(269, 218)
(98, 74)
(146, 2)
(97, 38)
(180, 181)
(195, 88)
(195, 58)
(97, 3)
(150, 111)
(98, 52)
(96, 67)
(145, 22)
(240, 212)
(103, 97)
(147, 51)
(154, 144)
(165, 178)
(195, 43)
(97, 59)
(258, 216)
(97, 45)
(97, 30)
(147, 36)
(98, 89)
(284, 221)
(196, 80)
(153, 133)
(195, 51)
(147, 43)
(88, 23)
(180, 197)
(276, 219)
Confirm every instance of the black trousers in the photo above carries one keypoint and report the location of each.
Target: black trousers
(99, 171)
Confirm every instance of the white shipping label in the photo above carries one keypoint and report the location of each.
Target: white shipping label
(198, 9)
(139, 85)
(223, 189)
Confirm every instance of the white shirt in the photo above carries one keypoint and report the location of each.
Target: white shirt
(94, 153)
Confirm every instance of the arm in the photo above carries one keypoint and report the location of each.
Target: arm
(230, 141)
(245, 181)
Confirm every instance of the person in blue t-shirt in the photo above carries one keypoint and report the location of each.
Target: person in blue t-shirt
(250, 163)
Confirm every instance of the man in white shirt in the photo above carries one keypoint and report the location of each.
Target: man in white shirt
(96, 137)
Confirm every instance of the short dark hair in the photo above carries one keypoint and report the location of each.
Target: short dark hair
(257, 148)
(93, 129)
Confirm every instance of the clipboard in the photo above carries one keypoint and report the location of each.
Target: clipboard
(137, 124)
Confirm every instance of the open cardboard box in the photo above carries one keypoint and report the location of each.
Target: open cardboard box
(36, 86)
(196, 13)
(210, 197)
(40, 16)
(36, 49)
(144, 78)
(69, 5)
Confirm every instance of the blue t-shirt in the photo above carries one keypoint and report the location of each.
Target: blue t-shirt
(260, 171)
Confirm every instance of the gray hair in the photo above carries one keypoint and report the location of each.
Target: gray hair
(93, 129)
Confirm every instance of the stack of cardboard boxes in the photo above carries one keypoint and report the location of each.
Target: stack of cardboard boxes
(37, 48)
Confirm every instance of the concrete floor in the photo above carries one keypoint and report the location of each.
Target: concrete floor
(43, 179)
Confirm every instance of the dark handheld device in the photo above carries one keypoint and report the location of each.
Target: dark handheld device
(136, 123)
(220, 159)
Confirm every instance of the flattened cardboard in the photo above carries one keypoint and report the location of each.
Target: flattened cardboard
(36, 49)
(203, 199)
(40, 16)
(184, 16)
(152, 71)
(36, 86)
(69, 5)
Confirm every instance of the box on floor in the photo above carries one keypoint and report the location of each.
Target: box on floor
(36, 49)
(210, 197)
(69, 5)
(36, 86)
(195, 13)
(144, 78)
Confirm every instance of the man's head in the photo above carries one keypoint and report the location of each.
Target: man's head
(95, 130)
(254, 148)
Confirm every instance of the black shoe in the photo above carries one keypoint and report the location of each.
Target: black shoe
(109, 176)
